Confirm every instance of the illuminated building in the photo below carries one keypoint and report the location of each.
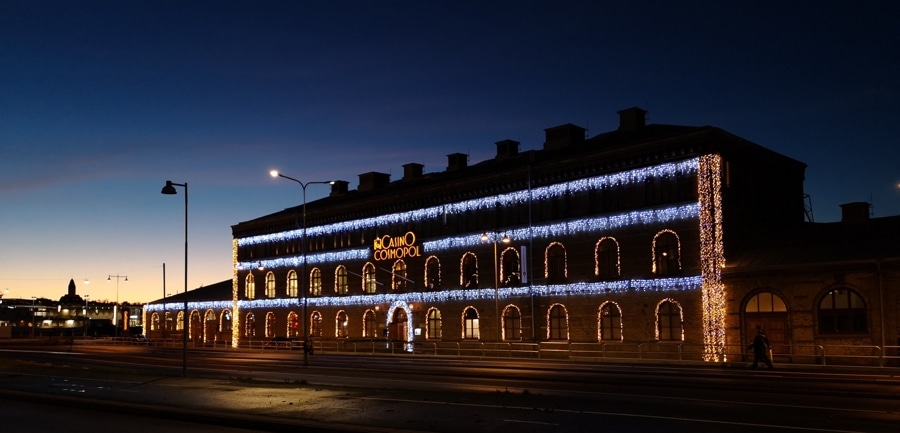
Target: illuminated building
(622, 237)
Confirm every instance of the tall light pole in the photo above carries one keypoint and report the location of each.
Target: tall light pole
(305, 324)
(169, 189)
(116, 310)
(33, 315)
(493, 238)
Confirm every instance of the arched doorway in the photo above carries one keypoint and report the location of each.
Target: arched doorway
(767, 310)
(399, 326)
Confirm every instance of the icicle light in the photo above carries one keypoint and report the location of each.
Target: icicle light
(679, 284)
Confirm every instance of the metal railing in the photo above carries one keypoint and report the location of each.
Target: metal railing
(799, 354)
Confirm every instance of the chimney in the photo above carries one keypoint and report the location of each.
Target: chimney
(372, 180)
(507, 149)
(632, 119)
(559, 137)
(856, 212)
(412, 171)
(339, 187)
(457, 161)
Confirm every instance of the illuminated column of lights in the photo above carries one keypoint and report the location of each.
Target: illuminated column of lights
(712, 257)
(236, 317)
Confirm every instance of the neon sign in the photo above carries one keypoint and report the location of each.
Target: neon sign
(397, 247)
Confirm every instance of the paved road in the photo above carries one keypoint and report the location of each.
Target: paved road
(266, 392)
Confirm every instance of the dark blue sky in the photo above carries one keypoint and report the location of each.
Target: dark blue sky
(104, 101)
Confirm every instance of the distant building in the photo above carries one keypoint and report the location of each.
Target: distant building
(71, 315)
(675, 237)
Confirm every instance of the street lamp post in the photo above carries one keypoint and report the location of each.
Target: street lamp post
(169, 189)
(303, 296)
(86, 316)
(493, 238)
(33, 315)
(116, 310)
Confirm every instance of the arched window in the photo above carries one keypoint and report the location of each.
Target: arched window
(293, 325)
(606, 258)
(509, 268)
(270, 324)
(154, 322)
(315, 282)
(179, 322)
(470, 324)
(370, 325)
(315, 324)
(195, 326)
(512, 323)
(765, 302)
(341, 325)
(270, 285)
(398, 275)
(433, 273)
(557, 323)
(666, 254)
(170, 323)
(250, 286)
(369, 281)
(292, 284)
(225, 323)
(609, 322)
(669, 323)
(434, 324)
(555, 264)
(842, 311)
(250, 326)
(341, 285)
(468, 267)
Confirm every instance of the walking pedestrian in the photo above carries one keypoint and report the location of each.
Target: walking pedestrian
(760, 348)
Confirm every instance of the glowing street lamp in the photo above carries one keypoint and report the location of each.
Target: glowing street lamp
(169, 189)
(116, 309)
(306, 340)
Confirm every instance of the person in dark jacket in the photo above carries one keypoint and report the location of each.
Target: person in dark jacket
(760, 348)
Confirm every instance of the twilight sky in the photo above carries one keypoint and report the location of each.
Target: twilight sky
(101, 102)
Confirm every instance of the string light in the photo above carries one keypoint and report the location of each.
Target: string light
(565, 266)
(410, 332)
(565, 314)
(680, 317)
(606, 305)
(582, 226)
(653, 257)
(635, 176)
(597, 257)
(707, 210)
(235, 330)
(655, 285)
(712, 257)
